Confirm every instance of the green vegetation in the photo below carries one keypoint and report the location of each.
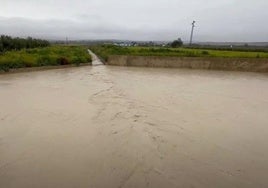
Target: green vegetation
(245, 48)
(8, 43)
(105, 50)
(176, 43)
(49, 56)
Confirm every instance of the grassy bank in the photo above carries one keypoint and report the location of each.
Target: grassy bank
(106, 50)
(49, 56)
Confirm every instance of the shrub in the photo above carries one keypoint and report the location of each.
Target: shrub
(77, 60)
(63, 61)
(4, 67)
(177, 43)
(205, 53)
(46, 60)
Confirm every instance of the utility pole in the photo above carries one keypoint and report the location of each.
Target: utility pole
(67, 41)
(192, 33)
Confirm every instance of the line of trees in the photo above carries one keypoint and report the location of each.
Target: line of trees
(8, 43)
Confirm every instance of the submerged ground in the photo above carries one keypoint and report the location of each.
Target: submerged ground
(105, 126)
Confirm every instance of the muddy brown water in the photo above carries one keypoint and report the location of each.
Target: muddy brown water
(97, 127)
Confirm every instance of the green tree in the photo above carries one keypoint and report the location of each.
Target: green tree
(176, 43)
(8, 43)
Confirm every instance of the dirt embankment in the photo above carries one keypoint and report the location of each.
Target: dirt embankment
(213, 63)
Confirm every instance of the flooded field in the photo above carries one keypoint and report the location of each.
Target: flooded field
(115, 127)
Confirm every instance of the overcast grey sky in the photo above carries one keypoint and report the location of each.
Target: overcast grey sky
(217, 20)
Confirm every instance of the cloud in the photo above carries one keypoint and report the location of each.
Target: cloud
(59, 29)
(229, 20)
